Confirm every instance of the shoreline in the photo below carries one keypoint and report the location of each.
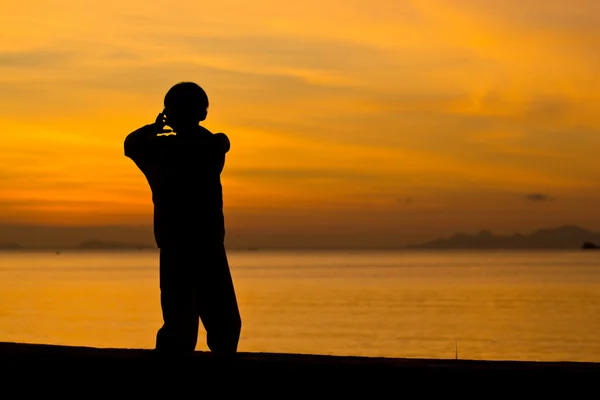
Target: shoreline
(67, 250)
(129, 367)
(24, 349)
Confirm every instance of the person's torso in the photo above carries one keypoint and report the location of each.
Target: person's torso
(186, 188)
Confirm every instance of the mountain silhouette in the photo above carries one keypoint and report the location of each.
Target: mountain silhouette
(10, 246)
(590, 246)
(564, 237)
(97, 244)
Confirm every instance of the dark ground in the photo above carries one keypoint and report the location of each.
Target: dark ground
(122, 373)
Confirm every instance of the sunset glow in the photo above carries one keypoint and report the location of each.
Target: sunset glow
(398, 121)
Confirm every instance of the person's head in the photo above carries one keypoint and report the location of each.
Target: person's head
(186, 104)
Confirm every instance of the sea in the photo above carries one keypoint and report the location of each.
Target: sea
(492, 305)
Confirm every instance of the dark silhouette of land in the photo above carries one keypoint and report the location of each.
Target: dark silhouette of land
(60, 369)
(565, 237)
(10, 246)
(183, 171)
(590, 246)
(39, 237)
(97, 244)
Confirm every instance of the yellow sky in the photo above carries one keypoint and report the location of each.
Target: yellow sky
(393, 119)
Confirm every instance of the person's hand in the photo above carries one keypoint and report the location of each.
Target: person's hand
(159, 124)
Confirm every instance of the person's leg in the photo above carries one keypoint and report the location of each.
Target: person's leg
(179, 332)
(217, 303)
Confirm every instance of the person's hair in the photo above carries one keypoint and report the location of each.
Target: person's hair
(186, 94)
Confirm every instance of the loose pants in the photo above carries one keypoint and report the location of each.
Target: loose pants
(196, 284)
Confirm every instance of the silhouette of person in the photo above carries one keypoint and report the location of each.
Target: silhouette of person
(184, 173)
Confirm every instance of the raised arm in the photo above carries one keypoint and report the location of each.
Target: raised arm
(142, 139)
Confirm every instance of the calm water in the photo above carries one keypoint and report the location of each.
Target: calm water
(482, 305)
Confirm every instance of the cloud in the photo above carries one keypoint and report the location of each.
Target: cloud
(304, 173)
(539, 197)
(278, 50)
(34, 58)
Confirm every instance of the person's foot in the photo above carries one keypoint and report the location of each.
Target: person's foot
(169, 354)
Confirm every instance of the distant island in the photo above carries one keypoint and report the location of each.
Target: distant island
(10, 246)
(565, 237)
(97, 244)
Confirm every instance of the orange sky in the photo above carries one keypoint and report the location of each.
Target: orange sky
(398, 121)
